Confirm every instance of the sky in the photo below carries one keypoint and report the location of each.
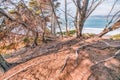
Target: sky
(102, 10)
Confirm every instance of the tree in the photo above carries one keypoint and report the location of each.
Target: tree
(83, 11)
(55, 16)
(66, 20)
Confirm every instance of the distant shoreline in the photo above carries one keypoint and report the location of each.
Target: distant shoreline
(99, 30)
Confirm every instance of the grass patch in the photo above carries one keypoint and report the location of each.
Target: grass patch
(88, 35)
(71, 32)
(115, 37)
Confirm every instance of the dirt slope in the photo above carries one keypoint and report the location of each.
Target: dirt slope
(61, 64)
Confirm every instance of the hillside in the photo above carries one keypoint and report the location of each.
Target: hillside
(59, 61)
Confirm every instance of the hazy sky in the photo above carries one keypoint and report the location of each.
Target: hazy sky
(103, 9)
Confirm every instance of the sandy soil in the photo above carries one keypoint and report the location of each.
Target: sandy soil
(60, 64)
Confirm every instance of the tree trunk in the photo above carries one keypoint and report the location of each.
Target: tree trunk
(104, 32)
(53, 25)
(35, 40)
(52, 5)
(108, 29)
(81, 24)
(4, 65)
(66, 20)
(76, 23)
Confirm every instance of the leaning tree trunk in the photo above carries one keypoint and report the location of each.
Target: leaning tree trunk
(105, 31)
(4, 65)
(115, 26)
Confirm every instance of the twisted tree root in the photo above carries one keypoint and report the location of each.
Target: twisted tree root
(109, 45)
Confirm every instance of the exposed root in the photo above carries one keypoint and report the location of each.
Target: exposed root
(101, 61)
(112, 46)
(64, 64)
(77, 52)
(116, 53)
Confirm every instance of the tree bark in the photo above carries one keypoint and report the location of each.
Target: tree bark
(66, 20)
(53, 10)
(53, 25)
(115, 26)
(105, 31)
(82, 15)
(4, 65)
(81, 24)
(76, 23)
(35, 40)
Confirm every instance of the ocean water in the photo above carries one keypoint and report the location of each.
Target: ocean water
(95, 22)
(91, 22)
(96, 25)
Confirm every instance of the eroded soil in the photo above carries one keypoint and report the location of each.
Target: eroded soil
(57, 61)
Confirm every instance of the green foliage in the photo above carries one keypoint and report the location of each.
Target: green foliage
(26, 40)
(71, 32)
(116, 37)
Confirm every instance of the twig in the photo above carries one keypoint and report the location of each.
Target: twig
(64, 64)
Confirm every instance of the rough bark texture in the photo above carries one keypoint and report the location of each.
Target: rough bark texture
(82, 15)
(108, 29)
(4, 66)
